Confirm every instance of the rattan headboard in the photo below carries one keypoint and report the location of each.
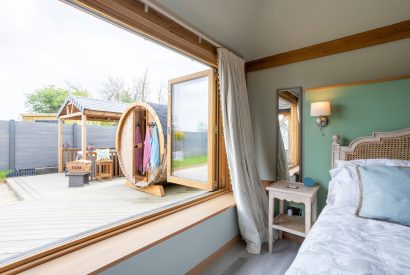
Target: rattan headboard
(383, 145)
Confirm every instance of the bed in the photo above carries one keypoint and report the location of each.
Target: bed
(342, 243)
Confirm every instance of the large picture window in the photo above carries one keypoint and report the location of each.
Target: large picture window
(79, 96)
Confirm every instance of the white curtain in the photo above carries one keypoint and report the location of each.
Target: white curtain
(283, 169)
(250, 196)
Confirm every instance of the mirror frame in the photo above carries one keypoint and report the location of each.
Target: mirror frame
(300, 92)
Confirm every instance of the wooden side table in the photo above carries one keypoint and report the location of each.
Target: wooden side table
(292, 224)
(103, 169)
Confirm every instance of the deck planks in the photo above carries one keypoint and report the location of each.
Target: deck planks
(57, 213)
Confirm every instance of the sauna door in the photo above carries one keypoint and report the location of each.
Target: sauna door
(192, 130)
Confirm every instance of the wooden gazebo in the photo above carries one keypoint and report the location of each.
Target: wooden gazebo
(85, 109)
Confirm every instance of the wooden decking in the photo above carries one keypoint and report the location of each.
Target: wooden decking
(51, 212)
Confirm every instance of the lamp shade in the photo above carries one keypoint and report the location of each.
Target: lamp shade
(321, 108)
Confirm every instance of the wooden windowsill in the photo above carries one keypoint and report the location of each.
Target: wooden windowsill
(106, 253)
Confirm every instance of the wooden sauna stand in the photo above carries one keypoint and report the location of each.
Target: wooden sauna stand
(156, 190)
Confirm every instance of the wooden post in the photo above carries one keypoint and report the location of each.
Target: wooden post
(73, 133)
(84, 136)
(12, 144)
(294, 135)
(60, 146)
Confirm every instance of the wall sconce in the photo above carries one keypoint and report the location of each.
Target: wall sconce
(321, 110)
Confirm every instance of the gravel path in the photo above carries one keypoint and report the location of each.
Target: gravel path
(6, 195)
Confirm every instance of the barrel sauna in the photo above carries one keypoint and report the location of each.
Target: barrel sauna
(142, 115)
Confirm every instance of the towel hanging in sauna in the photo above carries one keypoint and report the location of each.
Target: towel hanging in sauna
(138, 151)
(155, 157)
(147, 149)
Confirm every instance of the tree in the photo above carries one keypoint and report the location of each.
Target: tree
(46, 100)
(115, 89)
(162, 95)
(75, 90)
(141, 88)
(50, 98)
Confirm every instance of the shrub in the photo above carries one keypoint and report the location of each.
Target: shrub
(179, 135)
(4, 174)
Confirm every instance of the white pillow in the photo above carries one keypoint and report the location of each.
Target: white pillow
(344, 188)
(364, 162)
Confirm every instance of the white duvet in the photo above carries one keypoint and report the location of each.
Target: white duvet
(341, 243)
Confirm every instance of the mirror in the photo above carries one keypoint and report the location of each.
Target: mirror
(289, 134)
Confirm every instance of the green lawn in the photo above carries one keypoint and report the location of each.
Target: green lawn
(189, 162)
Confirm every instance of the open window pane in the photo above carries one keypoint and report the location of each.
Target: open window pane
(190, 138)
(190, 130)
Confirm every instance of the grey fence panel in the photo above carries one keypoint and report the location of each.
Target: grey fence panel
(4, 145)
(67, 137)
(99, 136)
(102, 136)
(195, 144)
(37, 144)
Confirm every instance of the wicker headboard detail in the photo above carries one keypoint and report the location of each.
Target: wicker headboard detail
(386, 145)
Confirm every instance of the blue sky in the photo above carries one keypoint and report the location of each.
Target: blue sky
(47, 42)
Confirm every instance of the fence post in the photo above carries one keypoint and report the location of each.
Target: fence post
(12, 145)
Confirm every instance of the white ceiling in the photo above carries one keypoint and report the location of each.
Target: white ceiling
(259, 28)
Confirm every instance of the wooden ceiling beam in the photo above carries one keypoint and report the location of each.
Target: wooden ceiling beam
(132, 15)
(287, 96)
(365, 39)
(102, 114)
(71, 116)
(100, 119)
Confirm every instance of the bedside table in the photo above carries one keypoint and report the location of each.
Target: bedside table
(292, 224)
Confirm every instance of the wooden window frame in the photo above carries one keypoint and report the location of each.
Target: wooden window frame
(212, 132)
(130, 14)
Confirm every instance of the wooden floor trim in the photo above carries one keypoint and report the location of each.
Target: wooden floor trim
(365, 39)
(214, 256)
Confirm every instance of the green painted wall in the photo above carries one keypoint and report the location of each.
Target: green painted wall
(356, 111)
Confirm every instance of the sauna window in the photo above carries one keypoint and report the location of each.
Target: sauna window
(191, 130)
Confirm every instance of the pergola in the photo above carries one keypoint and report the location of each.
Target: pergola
(85, 109)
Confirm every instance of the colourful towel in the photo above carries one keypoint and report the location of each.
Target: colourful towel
(147, 149)
(138, 151)
(155, 158)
